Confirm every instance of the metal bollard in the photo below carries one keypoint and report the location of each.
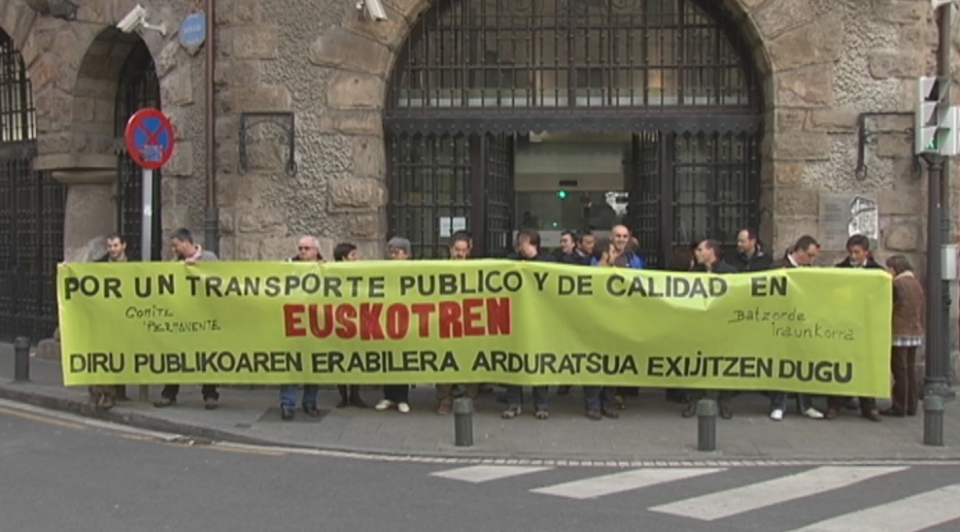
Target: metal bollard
(706, 425)
(463, 421)
(933, 420)
(21, 359)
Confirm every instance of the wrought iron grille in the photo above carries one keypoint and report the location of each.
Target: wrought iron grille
(715, 187)
(468, 57)
(429, 190)
(498, 196)
(138, 88)
(644, 203)
(32, 209)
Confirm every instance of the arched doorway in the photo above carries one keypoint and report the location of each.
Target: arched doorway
(573, 114)
(31, 211)
(138, 88)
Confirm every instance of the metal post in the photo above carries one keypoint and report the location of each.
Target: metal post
(146, 214)
(463, 421)
(211, 215)
(21, 359)
(944, 68)
(934, 382)
(706, 425)
(933, 420)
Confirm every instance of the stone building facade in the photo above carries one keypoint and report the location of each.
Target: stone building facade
(819, 69)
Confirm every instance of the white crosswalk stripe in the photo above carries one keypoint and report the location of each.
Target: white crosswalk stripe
(485, 473)
(911, 514)
(591, 488)
(768, 493)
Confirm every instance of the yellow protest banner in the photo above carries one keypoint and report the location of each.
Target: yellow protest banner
(815, 330)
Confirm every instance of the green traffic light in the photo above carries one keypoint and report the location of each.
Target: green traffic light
(562, 194)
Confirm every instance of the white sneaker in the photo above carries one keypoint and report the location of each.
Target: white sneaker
(813, 413)
(776, 415)
(383, 405)
(403, 408)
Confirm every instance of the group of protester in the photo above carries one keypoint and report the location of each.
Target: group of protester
(620, 250)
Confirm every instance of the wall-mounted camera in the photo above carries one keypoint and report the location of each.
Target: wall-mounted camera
(373, 9)
(136, 19)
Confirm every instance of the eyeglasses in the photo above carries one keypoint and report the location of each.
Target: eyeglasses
(304, 248)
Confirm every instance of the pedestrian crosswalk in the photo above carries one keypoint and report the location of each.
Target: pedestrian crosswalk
(729, 495)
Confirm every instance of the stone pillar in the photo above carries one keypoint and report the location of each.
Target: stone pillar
(90, 213)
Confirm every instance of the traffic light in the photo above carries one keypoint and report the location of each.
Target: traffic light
(935, 128)
(562, 194)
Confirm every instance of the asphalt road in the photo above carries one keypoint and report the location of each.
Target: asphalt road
(59, 472)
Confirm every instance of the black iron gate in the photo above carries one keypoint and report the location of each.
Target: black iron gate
(674, 73)
(138, 88)
(31, 212)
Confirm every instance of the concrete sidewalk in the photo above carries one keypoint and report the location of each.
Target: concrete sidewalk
(650, 429)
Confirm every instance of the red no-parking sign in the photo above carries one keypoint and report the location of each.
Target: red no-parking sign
(150, 138)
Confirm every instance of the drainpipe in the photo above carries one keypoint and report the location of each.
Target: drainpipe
(211, 215)
(944, 68)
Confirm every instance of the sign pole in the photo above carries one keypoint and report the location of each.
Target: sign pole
(150, 140)
(146, 244)
(146, 214)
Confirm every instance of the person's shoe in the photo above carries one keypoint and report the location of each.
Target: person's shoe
(165, 402)
(541, 414)
(286, 413)
(726, 412)
(403, 408)
(357, 402)
(776, 414)
(610, 413)
(689, 411)
(311, 410)
(892, 412)
(563, 390)
(831, 413)
(511, 413)
(444, 408)
(813, 413)
(872, 415)
(383, 405)
(210, 403)
(594, 415)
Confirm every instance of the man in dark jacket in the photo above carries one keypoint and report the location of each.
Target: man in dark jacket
(803, 253)
(708, 258)
(858, 256)
(527, 248)
(749, 256)
(570, 252)
(308, 250)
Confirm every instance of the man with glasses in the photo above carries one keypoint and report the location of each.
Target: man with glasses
(308, 250)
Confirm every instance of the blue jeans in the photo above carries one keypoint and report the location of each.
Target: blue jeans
(288, 395)
(597, 397)
(778, 401)
(515, 396)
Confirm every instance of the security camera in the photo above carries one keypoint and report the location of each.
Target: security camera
(374, 8)
(133, 20)
(136, 19)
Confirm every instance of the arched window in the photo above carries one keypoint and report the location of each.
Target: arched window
(573, 114)
(138, 88)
